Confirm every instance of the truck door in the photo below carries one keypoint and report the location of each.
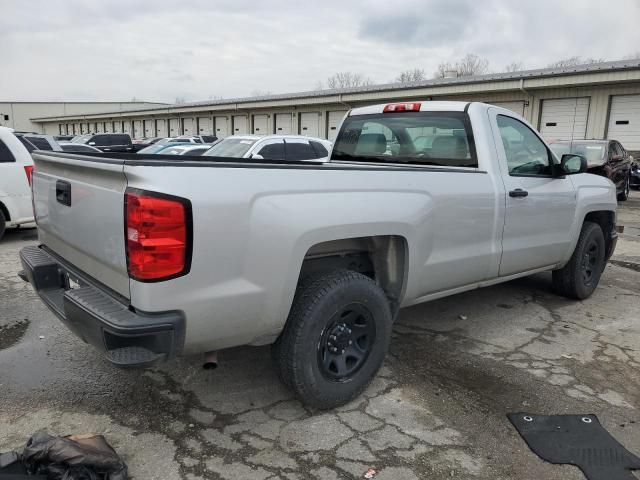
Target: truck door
(540, 208)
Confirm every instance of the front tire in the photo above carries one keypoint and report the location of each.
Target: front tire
(624, 195)
(335, 339)
(579, 278)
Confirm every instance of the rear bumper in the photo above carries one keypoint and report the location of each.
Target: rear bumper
(127, 337)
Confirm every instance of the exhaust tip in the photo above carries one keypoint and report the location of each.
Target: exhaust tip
(210, 361)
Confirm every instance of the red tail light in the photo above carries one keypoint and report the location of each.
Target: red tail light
(28, 169)
(158, 235)
(402, 107)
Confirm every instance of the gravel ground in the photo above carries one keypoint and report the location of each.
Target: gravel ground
(437, 410)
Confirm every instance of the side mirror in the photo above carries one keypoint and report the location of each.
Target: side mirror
(256, 156)
(570, 164)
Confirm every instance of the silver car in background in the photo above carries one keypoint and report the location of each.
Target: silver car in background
(272, 147)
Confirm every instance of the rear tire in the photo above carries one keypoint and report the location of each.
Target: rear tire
(579, 278)
(335, 339)
(624, 195)
(3, 224)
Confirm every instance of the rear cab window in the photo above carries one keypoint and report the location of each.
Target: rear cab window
(421, 138)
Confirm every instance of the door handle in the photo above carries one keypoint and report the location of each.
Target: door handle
(518, 192)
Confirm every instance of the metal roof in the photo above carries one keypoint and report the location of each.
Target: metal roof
(605, 67)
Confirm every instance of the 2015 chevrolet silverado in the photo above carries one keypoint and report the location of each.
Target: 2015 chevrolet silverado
(148, 257)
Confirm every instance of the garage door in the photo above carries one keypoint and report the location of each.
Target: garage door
(161, 127)
(108, 127)
(204, 126)
(624, 121)
(283, 123)
(117, 126)
(334, 119)
(126, 126)
(138, 131)
(222, 128)
(517, 107)
(260, 124)
(564, 119)
(99, 127)
(187, 126)
(310, 124)
(149, 128)
(174, 127)
(239, 125)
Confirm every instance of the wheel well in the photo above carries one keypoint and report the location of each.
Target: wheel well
(606, 220)
(382, 258)
(5, 212)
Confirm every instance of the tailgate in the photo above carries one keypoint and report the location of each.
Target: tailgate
(79, 207)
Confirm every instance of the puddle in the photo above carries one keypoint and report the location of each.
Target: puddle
(12, 333)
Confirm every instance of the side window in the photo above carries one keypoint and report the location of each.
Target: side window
(320, 150)
(99, 141)
(5, 154)
(526, 153)
(299, 150)
(272, 151)
(617, 149)
(40, 143)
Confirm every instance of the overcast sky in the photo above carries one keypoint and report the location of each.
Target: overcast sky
(198, 49)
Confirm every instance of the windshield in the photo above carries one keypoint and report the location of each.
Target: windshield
(230, 147)
(155, 148)
(81, 138)
(593, 152)
(428, 138)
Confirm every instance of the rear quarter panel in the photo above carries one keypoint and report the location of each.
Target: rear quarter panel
(253, 227)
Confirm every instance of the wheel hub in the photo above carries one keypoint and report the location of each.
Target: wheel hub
(339, 339)
(346, 343)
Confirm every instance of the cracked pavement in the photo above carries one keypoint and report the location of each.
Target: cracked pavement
(437, 409)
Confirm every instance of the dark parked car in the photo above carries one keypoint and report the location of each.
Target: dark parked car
(107, 142)
(37, 141)
(606, 158)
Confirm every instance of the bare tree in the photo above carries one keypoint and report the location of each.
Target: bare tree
(347, 80)
(573, 61)
(408, 76)
(472, 65)
(179, 100)
(514, 67)
(467, 66)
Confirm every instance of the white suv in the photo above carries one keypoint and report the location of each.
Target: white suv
(16, 167)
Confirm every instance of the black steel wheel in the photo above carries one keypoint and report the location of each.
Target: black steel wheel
(345, 345)
(335, 339)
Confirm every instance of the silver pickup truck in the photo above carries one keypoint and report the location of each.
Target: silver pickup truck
(149, 257)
